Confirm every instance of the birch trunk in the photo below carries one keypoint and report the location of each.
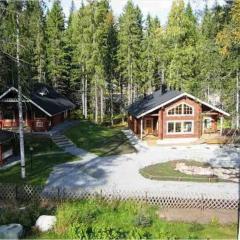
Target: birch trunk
(96, 103)
(111, 105)
(85, 100)
(83, 93)
(101, 105)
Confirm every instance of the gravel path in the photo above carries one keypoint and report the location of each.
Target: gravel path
(122, 172)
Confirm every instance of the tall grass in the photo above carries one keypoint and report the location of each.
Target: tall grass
(97, 219)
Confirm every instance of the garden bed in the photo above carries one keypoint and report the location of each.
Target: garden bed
(166, 171)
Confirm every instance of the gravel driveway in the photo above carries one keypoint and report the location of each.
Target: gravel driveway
(122, 172)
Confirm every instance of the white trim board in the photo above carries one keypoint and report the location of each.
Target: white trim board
(180, 96)
(36, 105)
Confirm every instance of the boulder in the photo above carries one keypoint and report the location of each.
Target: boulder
(11, 231)
(45, 223)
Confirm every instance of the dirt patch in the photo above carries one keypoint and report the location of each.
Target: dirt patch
(221, 216)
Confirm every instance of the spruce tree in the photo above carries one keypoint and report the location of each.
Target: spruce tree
(56, 55)
(130, 41)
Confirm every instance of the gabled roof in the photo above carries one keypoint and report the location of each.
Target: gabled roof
(46, 99)
(158, 99)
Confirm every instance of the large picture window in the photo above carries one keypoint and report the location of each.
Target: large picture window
(182, 109)
(177, 127)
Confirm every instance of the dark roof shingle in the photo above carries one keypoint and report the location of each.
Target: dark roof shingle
(50, 100)
(151, 101)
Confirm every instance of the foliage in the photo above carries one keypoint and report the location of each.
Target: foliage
(25, 216)
(116, 220)
(104, 63)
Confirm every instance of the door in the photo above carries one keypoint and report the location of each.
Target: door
(207, 124)
(148, 126)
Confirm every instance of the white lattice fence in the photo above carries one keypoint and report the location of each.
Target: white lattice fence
(162, 199)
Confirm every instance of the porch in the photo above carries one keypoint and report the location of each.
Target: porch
(209, 124)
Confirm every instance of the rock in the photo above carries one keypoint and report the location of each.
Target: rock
(222, 173)
(11, 231)
(45, 223)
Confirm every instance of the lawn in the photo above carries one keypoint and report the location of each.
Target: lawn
(166, 171)
(96, 219)
(103, 141)
(45, 156)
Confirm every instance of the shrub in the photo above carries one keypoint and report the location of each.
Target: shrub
(89, 217)
(143, 220)
(195, 227)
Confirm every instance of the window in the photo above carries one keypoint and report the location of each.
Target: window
(187, 110)
(180, 127)
(171, 112)
(178, 110)
(187, 127)
(182, 109)
(170, 127)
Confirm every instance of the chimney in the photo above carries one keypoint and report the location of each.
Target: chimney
(163, 88)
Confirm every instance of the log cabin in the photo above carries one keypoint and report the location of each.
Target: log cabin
(174, 114)
(43, 108)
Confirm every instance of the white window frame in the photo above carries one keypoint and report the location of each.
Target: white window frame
(182, 122)
(182, 110)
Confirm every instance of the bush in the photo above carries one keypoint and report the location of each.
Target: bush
(76, 115)
(26, 216)
(143, 220)
(196, 227)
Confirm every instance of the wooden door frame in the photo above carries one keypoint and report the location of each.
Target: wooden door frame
(145, 120)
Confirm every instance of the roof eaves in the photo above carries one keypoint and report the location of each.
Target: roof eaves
(8, 91)
(207, 104)
(179, 96)
(36, 105)
(160, 105)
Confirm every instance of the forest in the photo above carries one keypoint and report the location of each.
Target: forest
(103, 62)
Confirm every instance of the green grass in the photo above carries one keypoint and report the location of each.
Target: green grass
(103, 141)
(96, 219)
(45, 156)
(166, 171)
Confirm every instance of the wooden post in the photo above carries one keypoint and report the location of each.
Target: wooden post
(221, 125)
(141, 130)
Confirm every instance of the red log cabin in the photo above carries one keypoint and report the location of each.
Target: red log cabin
(43, 108)
(174, 114)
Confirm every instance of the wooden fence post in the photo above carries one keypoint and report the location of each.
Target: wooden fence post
(202, 202)
(16, 192)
